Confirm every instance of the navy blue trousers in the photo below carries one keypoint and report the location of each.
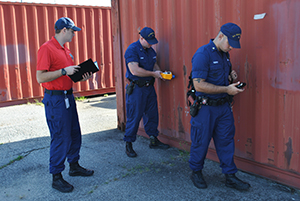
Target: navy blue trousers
(141, 103)
(213, 122)
(64, 129)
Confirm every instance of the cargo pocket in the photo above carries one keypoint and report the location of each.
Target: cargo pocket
(53, 110)
(196, 134)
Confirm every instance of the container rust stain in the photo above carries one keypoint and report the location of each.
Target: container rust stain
(288, 153)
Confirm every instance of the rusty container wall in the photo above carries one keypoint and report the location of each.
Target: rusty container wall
(266, 114)
(25, 27)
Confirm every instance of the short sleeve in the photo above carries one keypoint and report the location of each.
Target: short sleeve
(200, 66)
(131, 55)
(43, 59)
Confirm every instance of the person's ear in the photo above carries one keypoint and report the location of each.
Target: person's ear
(221, 35)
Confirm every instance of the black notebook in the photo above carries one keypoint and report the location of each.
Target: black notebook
(86, 66)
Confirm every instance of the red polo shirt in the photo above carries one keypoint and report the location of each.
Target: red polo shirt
(51, 57)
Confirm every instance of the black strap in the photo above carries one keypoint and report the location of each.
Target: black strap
(58, 92)
(142, 83)
(214, 102)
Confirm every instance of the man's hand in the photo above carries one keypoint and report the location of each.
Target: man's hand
(233, 76)
(157, 74)
(86, 76)
(47, 76)
(233, 90)
(72, 69)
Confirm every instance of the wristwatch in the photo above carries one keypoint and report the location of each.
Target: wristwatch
(63, 71)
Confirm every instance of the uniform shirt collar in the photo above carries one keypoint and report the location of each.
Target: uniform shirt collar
(213, 47)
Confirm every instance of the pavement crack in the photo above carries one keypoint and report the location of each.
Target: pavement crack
(21, 156)
(24, 154)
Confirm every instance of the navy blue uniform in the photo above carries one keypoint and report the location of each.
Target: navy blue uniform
(64, 130)
(212, 121)
(62, 122)
(143, 100)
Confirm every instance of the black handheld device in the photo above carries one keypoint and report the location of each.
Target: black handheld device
(241, 85)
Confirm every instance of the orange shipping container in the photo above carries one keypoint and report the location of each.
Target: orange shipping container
(25, 27)
(266, 114)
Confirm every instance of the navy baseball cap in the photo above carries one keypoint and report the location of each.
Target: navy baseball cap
(149, 35)
(65, 22)
(233, 33)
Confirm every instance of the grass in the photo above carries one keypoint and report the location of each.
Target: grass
(81, 98)
(37, 102)
(140, 169)
(184, 154)
(12, 161)
(91, 191)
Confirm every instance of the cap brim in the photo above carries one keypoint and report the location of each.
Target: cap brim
(152, 41)
(76, 28)
(234, 43)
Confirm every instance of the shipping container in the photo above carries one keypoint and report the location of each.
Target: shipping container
(24, 27)
(266, 114)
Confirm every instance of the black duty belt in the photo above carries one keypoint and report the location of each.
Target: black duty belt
(59, 92)
(143, 83)
(214, 102)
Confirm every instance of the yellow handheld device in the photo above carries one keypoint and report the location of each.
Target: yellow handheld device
(167, 75)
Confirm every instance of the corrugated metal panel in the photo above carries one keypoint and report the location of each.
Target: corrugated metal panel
(25, 27)
(266, 114)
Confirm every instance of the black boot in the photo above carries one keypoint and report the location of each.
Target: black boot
(198, 180)
(129, 150)
(156, 144)
(233, 182)
(60, 184)
(77, 170)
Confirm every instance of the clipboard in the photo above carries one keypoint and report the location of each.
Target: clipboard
(86, 66)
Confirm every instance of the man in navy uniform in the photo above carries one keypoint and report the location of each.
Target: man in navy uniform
(212, 75)
(141, 99)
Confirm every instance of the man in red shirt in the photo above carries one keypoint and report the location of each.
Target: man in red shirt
(54, 63)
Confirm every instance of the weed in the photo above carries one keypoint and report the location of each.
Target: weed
(184, 155)
(12, 161)
(37, 102)
(125, 175)
(181, 145)
(19, 158)
(81, 98)
(105, 95)
(138, 167)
